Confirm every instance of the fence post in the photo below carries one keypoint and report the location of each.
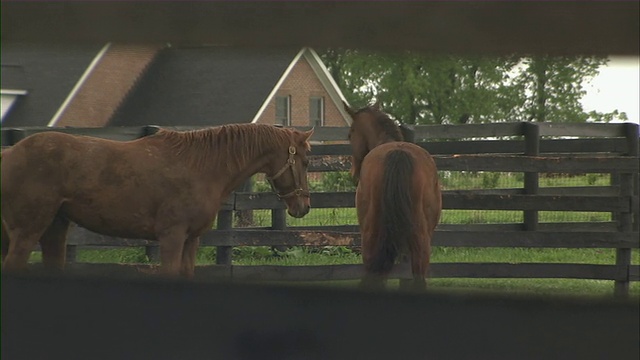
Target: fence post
(71, 254)
(225, 222)
(152, 252)
(628, 188)
(531, 179)
(278, 222)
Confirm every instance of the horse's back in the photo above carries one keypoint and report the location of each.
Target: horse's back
(50, 146)
(48, 156)
(423, 161)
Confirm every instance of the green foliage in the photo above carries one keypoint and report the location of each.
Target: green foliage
(254, 252)
(336, 250)
(261, 186)
(592, 179)
(206, 255)
(454, 180)
(337, 181)
(490, 180)
(421, 89)
(122, 256)
(553, 86)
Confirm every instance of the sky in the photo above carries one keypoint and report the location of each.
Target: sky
(616, 87)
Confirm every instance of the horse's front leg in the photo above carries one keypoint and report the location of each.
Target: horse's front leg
(189, 257)
(172, 243)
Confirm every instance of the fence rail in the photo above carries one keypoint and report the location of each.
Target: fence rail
(527, 148)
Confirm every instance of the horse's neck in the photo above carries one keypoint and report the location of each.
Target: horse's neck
(241, 170)
(380, 137)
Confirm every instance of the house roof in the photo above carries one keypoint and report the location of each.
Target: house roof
(47, 72)
(182, 86)
(321, 71)
(218, 85)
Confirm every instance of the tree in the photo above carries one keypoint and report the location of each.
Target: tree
(420, 89)
(553, 87)
(424, 90)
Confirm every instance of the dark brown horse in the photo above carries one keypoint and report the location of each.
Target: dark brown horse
(166, 187)
(398, 197)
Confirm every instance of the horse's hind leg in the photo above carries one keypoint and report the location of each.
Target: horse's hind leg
(375, 278)
(189, 252)
(53, 244)
(419, 266)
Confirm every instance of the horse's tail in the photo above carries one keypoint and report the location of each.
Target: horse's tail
(395, 220)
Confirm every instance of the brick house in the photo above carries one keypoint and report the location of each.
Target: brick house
(131, 85)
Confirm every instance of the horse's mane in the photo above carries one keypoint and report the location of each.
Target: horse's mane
(235, 143)
(388, 125)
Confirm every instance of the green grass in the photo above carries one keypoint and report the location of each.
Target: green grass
(334, 255)
(577, 287)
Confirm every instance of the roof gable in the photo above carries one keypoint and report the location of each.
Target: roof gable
(323, 76)
(203, 86)
(48, 74)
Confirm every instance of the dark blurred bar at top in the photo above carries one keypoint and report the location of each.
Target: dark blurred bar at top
(456, 27)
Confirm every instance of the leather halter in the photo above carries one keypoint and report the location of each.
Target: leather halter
(298, 191)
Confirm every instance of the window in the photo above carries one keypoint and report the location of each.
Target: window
(283, 110)
(316, 111)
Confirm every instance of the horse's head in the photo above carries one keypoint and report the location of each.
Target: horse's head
(288, 173)
(370, 127)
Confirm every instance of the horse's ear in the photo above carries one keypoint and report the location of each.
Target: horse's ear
(348, 109)
(307, 134)
(376, 106)
(305, 138)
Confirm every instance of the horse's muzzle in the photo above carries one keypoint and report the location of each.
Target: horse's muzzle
(298, 213)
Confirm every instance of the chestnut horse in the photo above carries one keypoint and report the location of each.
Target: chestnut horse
(166, 187)
(398, 198)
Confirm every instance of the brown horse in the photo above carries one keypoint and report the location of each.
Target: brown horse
(166, 187)
(398, 197)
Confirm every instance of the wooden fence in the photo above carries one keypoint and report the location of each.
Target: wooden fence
(529, 148)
